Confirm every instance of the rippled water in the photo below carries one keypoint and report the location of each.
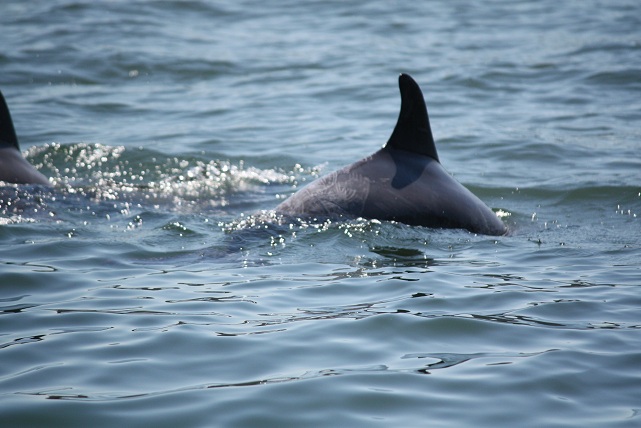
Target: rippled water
(143, 289)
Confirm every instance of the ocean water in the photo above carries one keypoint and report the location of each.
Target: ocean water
(143, 291)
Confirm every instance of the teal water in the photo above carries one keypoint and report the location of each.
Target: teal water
(142, 291)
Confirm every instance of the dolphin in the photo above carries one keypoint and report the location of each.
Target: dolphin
(404, 182)
(14, 168)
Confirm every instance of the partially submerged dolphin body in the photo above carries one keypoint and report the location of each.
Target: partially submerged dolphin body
(14, 168)
(404, 181)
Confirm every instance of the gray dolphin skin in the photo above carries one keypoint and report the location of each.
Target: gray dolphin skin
(14, 168)
(404, 182)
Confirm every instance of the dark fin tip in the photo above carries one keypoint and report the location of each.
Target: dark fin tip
(8, 136)
(412, 132)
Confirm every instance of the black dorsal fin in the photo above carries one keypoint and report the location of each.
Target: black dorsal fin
(412, 132)
(7, 132)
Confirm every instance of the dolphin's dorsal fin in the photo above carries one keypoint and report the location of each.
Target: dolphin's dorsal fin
(7, 133)
(412, 132)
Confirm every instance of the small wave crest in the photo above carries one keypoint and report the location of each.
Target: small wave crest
(145, 177)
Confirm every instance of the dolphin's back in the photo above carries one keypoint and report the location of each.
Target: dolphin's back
(404, 181)
(14, 168)
(395, 185)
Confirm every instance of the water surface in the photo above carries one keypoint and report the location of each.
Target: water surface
(141, 290)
